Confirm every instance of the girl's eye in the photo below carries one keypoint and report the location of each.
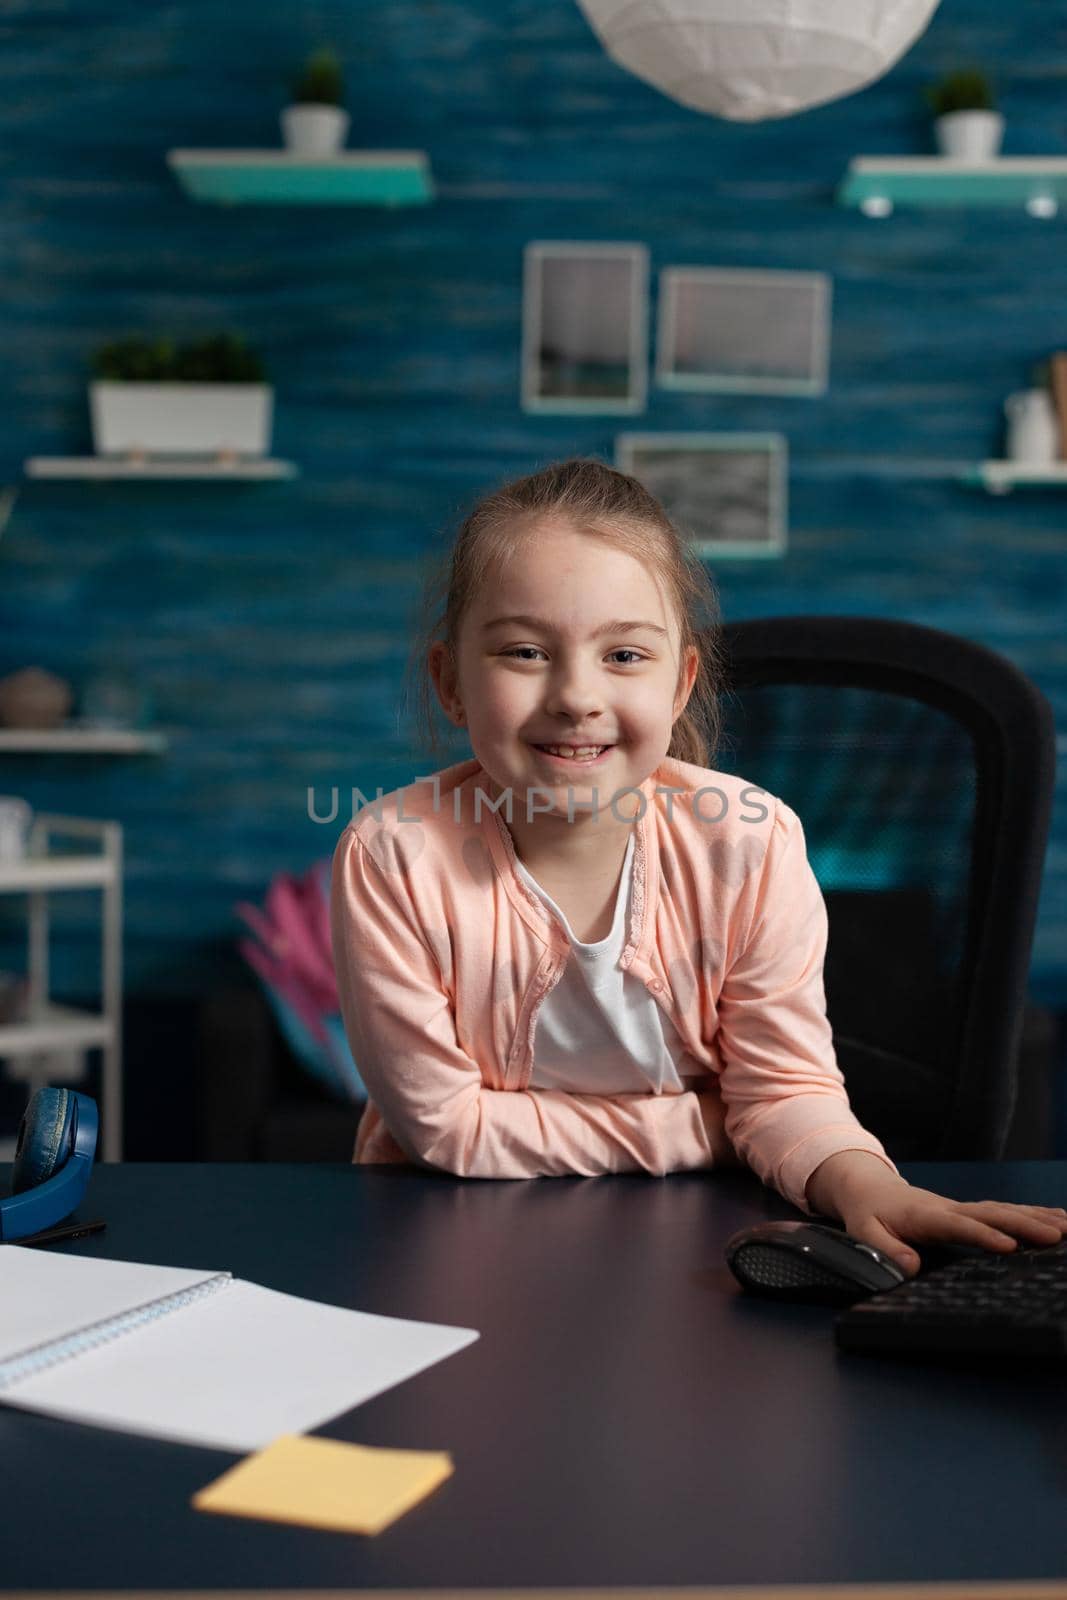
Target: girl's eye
(520, 648)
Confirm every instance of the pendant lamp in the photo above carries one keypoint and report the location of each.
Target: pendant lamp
(748, 60)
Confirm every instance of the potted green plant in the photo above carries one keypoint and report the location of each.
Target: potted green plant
(315, 123)
(156, 397)
(967, 125)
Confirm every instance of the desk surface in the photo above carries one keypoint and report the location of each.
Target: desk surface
(628, 1418)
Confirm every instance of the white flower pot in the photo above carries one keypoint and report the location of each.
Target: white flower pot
(311, 130)
(1033, 427)
(174, 419)
(969, 135)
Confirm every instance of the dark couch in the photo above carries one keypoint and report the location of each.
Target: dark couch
(255, 1101)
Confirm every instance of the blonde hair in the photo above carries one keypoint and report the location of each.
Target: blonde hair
(597, 500)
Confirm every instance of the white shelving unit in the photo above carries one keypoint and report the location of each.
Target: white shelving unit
(46, 1025)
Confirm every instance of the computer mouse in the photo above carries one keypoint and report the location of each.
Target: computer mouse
(809, 1261)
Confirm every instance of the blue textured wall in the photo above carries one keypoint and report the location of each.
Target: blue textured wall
(269, 622)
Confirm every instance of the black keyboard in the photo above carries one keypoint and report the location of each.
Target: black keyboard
(1013, 1304)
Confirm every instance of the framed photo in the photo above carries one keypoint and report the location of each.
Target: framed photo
(744, 332)
(585, 327)
(726, 492)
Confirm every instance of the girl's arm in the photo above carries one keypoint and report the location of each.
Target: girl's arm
(787, 1109)
(429, 1090)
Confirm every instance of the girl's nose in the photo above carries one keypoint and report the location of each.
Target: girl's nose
(572, 691)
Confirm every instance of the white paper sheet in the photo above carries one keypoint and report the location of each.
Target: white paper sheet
(232, 1370)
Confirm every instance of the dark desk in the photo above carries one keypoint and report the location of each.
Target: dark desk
(627, 1418)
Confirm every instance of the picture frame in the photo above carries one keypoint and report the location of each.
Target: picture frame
(584, 327)
(729, 330)
(725, 492)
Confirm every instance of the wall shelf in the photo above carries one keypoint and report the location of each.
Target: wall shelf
(71, 739)
(244, 470)
(999, 477)
(1036, 184)
(275, 177)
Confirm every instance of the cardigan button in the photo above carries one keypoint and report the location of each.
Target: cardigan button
(655, 985)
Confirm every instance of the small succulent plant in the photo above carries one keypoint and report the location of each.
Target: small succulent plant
(220, 358)
(966, 90)
(321, 81)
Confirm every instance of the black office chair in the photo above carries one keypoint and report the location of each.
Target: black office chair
(921, 766)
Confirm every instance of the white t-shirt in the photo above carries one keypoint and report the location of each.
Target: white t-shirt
(599, 1031)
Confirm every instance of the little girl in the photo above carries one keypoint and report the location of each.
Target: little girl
(585, 951)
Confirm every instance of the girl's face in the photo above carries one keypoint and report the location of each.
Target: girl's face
(567, 677)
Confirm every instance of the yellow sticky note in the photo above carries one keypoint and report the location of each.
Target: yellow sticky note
(325, 1483)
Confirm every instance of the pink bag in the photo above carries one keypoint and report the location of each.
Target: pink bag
(292, 955)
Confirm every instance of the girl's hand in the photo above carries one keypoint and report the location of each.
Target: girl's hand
(888, 1212)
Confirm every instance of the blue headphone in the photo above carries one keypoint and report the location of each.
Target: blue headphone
(53, 1160)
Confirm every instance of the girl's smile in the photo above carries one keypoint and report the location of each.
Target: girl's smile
(572, 763)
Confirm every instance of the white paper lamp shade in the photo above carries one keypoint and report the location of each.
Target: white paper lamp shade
(748, 60)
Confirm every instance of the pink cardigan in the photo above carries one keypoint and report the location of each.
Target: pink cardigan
(443, 957)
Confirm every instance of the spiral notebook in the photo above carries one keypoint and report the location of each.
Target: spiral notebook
(196, 1356)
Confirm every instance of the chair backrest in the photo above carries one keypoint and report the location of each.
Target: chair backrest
(921, 765)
